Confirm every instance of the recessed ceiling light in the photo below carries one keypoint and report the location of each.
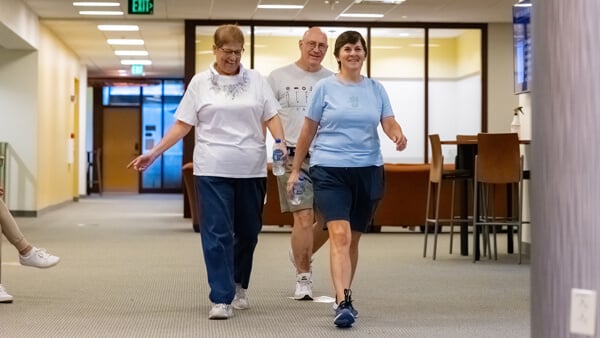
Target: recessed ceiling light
(136, 62)
(136, 42)
(362, 15)
(100, 13)
(280, 6)
(131, 52)
(96, 4)
(119, 28)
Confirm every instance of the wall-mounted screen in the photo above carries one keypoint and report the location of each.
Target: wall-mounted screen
(522, 46)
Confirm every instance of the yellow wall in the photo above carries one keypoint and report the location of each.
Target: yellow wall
(58, 68)
(397, 58)
(469, 55)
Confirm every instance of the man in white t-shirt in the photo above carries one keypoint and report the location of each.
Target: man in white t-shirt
(292, 85)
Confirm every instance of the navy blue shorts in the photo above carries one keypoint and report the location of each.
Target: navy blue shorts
(349, 194)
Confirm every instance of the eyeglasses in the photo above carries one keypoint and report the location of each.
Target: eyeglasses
(313, 44)
(230, 52)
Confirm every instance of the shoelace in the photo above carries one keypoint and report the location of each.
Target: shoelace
(42, 253)
(348, 296)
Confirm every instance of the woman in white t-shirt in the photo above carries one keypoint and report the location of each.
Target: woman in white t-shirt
(229, 106)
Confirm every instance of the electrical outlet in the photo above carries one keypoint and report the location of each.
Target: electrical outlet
(583, 312)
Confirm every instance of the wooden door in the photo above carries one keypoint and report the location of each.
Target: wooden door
(120, 140)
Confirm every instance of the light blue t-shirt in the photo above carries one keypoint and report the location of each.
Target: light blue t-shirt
(348, 115)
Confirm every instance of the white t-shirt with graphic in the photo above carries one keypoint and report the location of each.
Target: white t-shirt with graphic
(292, 86)
(229, 113)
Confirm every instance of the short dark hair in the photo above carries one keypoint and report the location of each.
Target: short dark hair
(348, 37)
(228, 33)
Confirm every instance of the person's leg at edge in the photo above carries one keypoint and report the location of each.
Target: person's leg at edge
(11, 230)
(249, 197)
(216, 232)
(28, 254)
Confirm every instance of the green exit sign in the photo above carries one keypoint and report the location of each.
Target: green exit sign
(137, 69)
(141, 6)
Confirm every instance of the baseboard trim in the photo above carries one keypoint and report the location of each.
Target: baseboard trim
(36, 213)
(24, 213)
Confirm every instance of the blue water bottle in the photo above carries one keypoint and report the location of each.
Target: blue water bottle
(278, 162)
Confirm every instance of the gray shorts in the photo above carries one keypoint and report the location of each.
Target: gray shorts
(307, 198)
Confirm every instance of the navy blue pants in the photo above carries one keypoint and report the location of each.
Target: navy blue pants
(230, 212)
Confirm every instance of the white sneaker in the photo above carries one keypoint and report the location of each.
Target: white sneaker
(303, 287)
(39, 258)
(4, 296)
(240, 301)
(220, 311)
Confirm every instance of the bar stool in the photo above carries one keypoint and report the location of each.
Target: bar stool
(498, 162)
(437, 175)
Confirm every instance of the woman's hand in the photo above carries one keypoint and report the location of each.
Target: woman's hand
(283, 147)
(141, 162)
(400, 142)
(1, 191)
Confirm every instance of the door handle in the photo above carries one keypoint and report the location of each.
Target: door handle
(136, 148)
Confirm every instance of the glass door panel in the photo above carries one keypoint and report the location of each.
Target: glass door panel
(454, 84)
(159, 103)
(398, 62)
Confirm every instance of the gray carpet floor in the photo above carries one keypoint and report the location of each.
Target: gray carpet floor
(132, 267)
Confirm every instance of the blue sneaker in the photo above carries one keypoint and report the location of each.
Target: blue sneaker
(335, 306)
(343, 314)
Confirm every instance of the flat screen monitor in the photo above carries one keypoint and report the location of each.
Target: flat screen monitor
(522, 46)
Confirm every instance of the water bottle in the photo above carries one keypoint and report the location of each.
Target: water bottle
(298, 189)
(278, 163)
(515, 125)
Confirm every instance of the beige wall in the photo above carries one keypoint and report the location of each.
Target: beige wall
(58, 67)
(18, 125)
(501, 97)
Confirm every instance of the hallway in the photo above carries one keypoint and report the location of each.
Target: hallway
(132, 267)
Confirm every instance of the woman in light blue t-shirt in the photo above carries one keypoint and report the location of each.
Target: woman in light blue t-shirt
(346, 164)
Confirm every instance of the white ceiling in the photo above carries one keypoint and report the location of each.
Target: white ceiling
(163, 31)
